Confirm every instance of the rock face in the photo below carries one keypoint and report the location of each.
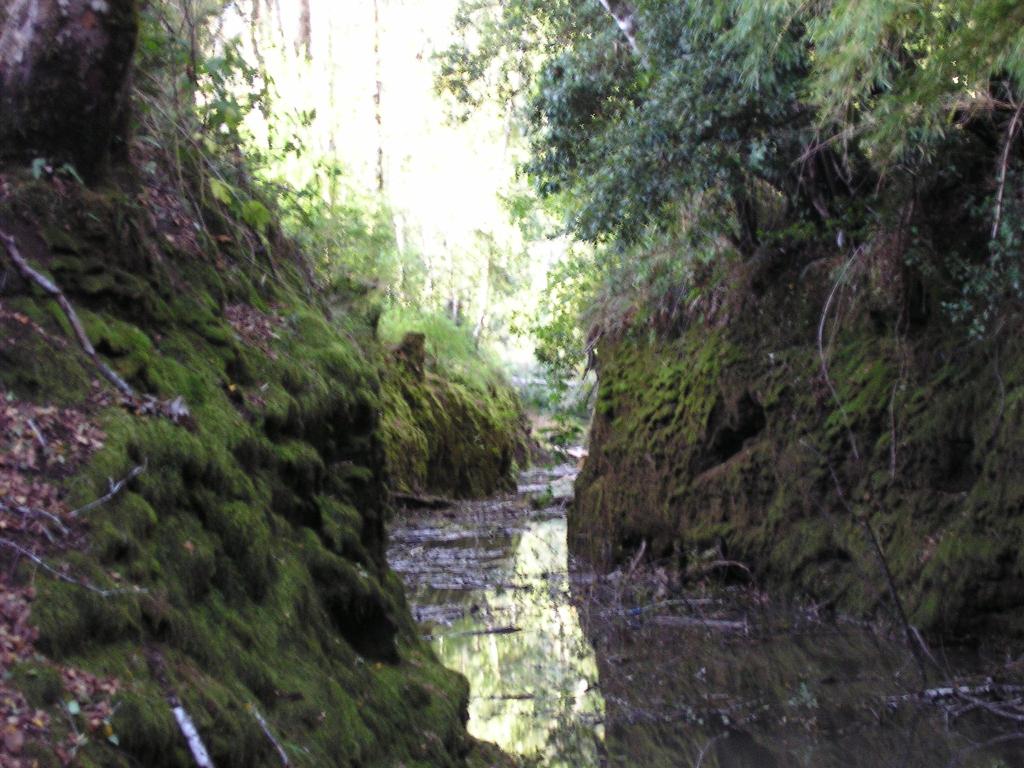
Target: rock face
(447, 435)
(256, 533)
(63, 69)
(722, 439)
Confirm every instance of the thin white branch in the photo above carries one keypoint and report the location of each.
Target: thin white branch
(270, 736)
(38, 433)
(195, 742)
(824, 358)
(625, 19)
(63, 576)
(1011, 133)
(33, 512)
(52, 290)
(115, 488)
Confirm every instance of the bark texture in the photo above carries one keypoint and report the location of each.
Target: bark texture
(63, 71)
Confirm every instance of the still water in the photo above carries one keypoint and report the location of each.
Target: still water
(570, 669)
(490, 585)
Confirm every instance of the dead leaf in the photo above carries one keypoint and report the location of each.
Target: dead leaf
(14, 741)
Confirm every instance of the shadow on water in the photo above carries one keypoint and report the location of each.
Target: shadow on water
(611, 671)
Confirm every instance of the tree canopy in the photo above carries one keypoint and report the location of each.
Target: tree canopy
(735, 127)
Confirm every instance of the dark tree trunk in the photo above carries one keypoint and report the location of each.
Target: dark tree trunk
(64, 65)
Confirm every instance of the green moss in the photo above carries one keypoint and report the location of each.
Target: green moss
(251, 549)
(730, 438)
(41, 684)
(447, 437)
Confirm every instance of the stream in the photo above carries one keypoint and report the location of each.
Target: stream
(571, 669)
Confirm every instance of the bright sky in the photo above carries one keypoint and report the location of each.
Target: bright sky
(443, 180)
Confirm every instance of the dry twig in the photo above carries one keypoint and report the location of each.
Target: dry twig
(270, 736)
(821, 350)
(52, 290)
(1011, 133)
(115, 488)
(20, 550)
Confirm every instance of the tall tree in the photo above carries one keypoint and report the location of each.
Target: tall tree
(378, 94)
(304, 43)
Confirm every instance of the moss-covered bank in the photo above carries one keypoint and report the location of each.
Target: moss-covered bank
(443, 435)
(256, 532)
(719, 439)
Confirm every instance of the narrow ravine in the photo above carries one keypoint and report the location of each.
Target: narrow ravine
(489, 583)
(568, 668)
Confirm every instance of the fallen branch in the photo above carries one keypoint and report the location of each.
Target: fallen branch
(945, 692)
(695, 622)
(412, 501)
(269, 734)
(63, 576)
(158, 667)
(115, 488)
(479, 632)
(191, 734)
(31, 512)
(52, 290)
(38, 433)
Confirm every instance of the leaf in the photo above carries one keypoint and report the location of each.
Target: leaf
(256, 215)
(221, 191)
(38, 167)
(14, 741)
(69, 169)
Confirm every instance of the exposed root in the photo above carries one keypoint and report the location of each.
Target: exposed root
(824, 358)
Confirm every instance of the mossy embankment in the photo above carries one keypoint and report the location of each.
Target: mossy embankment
(458, 436)
(721, 438)
(249, 554)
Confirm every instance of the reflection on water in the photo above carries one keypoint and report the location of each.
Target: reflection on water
(775, 695)
(715, 679)
(490, 586)
(534, 682)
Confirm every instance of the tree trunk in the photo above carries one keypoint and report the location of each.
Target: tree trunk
(304, 44)
(625, 19)
(378, 95)
(64, 65)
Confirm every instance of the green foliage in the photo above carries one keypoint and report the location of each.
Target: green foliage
(752, 129)
(256, 531)
(903, 75)
(560, 340)
(451, 349)
(620, 139)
